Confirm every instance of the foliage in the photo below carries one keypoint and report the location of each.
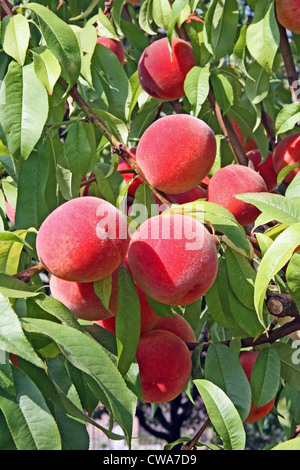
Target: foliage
(50, 142)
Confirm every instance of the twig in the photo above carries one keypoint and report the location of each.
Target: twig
(192, 444)
(281, 305)
(118, 147)
(228, 131)
(28, 274)
(289, 63)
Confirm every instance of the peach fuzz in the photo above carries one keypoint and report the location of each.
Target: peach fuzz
(83, 240)
(286, 153)
(173, 258)
(247, 360)
(265, 169)
(177, 325)
(232, 180)
(288, 16)
(80, 298)
(148, 317)
(164, 365)
(161, 75)
(115, 46)
(176, 152)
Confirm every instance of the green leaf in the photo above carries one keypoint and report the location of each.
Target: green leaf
(61, 41)
(290, 363)
(128, 320)
(161, 11)
(217, 298)
(23, 110)
(287, 118)
(46, 67)
(223, 368)
(265, 377)
(114, 80)
(31, 424)
(77, 150)
(263, 34)
(103, 289)
(241, 277)
(275, 258)
(223, 91)
(196, 87)
(87, 355)
(223, 415)
(292, 278)
(31, 207)
(15, 36)
(274, 206)
(14, 288)
(291, 444)
(220, 26)
(177, 7)
(257, 84)
(12, 334)
(293, 189)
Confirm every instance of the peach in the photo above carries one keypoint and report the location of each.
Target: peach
(177, 325)
(161, 75)
(80, 298)
(247, 360)
(83, 240)
(265, 169)
(176, 152)
(198, 192)
(287, 12)
(173, 258)
(286, 153)
(164, 365)
(148, 317)
(232, 180)
(5, 9)
(115, 46)
(250, 144)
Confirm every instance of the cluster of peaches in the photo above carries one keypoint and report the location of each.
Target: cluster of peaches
(172, 257)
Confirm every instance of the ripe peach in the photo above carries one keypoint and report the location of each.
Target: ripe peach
(287, 12)
(83, 240)
(286, 153)
(115, 46)
(176, 152)
(266, 169)
(173, 258)
(164, 365)
(177, 325)
(232, 180)
(80, 298)
(161, 75)
(247, 360)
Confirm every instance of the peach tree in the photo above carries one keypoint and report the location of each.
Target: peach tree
(88, 317)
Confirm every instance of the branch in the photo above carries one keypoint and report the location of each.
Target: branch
(192, 444)
(118, 147)
(281, 305)
(287, 56)
(29, 273)
(228, 131)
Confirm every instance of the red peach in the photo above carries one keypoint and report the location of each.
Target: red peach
(176, 153)
(287, 12)
(177, 325)
(286, 153)
(164, 365)
(123, 165)
(266, 169)
(83, 240)
(232, 180)
(115, 46)
(161, 75)
(247, 360)
(173, 258)
(80, 298)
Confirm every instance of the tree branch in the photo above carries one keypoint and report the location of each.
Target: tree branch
(281, 305)
(289, 63)
(118, 147)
